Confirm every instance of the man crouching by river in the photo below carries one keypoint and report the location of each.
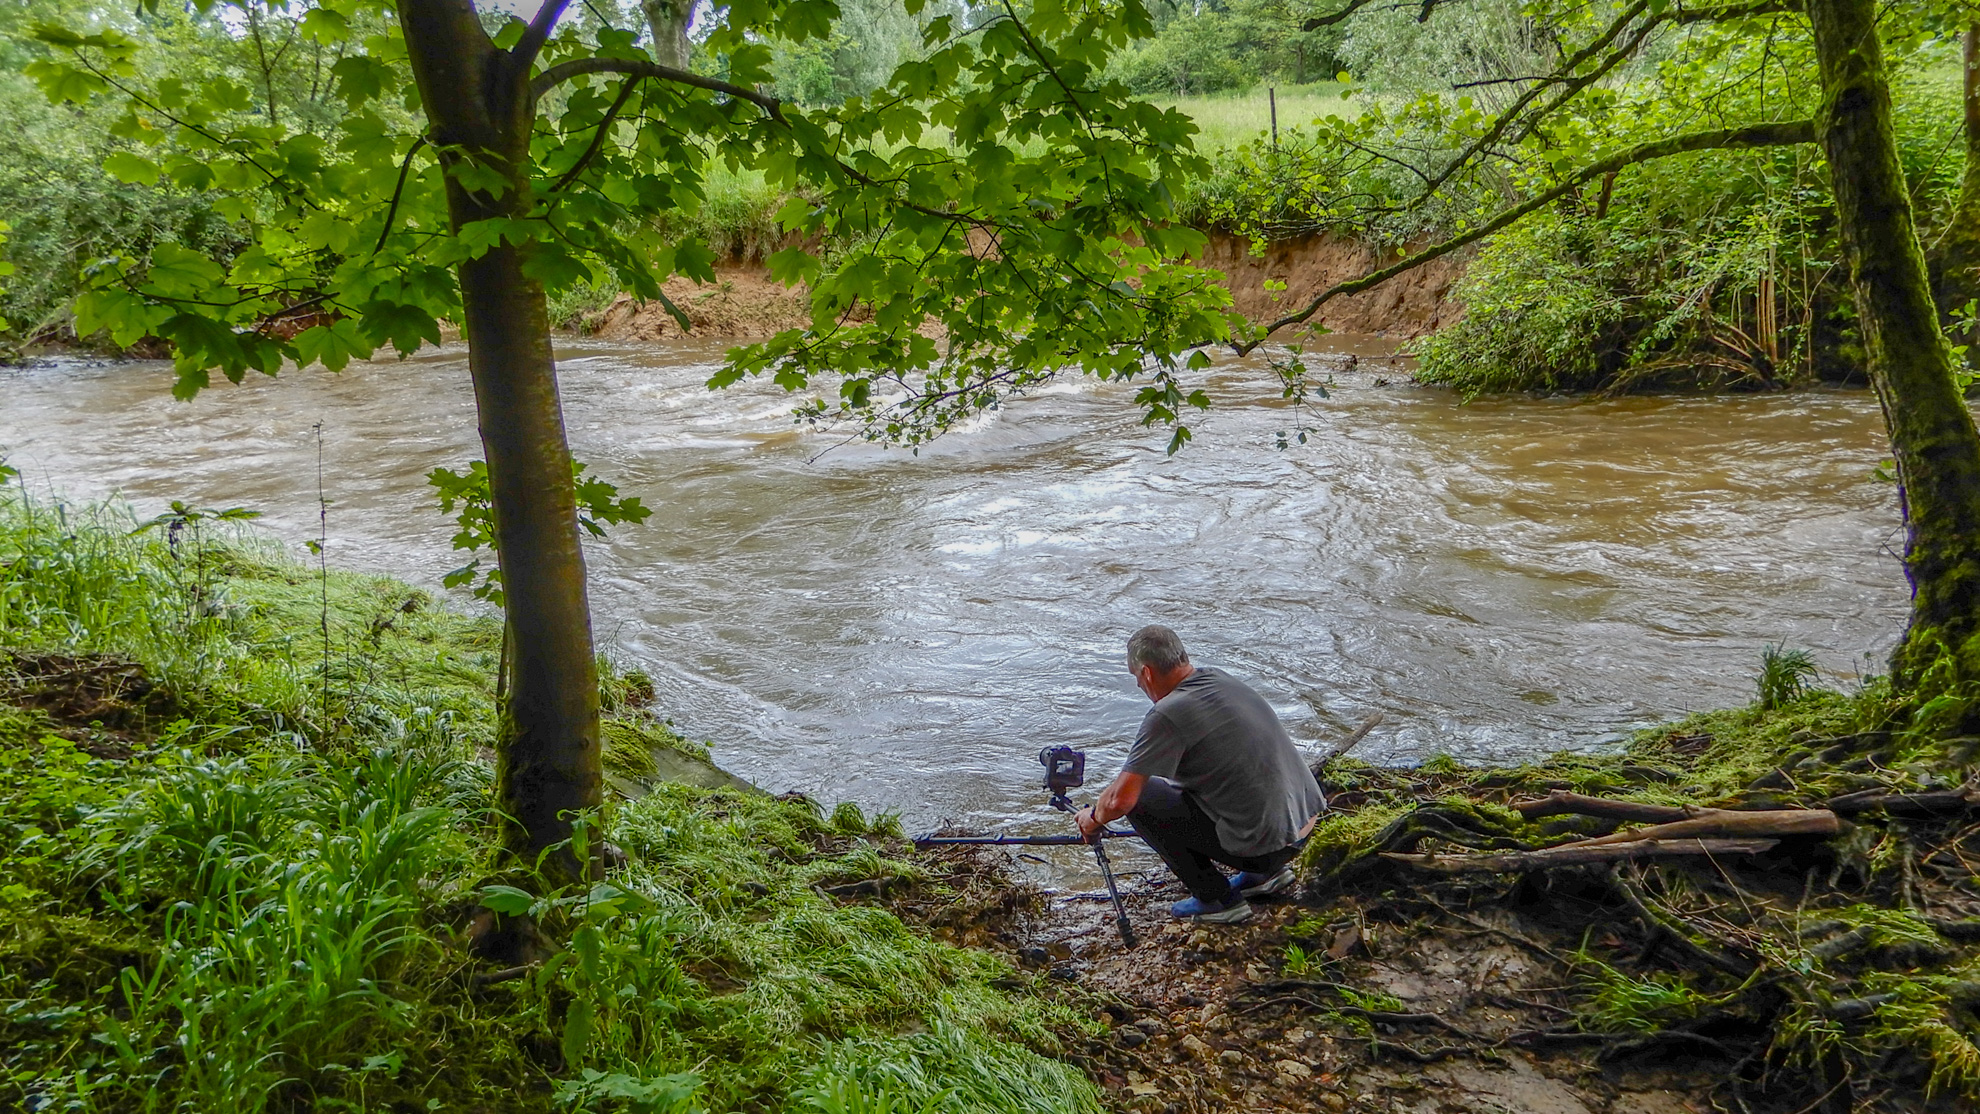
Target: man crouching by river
(1212, 778)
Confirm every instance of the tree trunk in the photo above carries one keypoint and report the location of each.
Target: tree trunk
(1932, 436)
(669, 20)
(1959, 249)
(477, 99)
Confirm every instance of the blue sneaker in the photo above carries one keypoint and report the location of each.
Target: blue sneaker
(1230, 911)
(1254, 884)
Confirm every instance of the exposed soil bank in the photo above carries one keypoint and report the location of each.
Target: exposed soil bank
(1408, 306)
(746, 303)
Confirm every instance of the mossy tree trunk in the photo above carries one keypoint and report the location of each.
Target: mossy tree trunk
(1933, 439)
(477, 99)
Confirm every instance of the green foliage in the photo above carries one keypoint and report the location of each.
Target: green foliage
(346, 217)
(264, 898)
(891, 1076)
(868, 40)
(1619, 1002)
(1785, 677)
(466, 496)
(1197, 52)
(1235, 46)
(1298, 961)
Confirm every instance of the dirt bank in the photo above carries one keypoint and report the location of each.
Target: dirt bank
(1408, 306)
(745, 303)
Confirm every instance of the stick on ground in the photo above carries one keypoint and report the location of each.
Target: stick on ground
(1575, 854)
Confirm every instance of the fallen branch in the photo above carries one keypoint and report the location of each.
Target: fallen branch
(1422, 1056)
(507, 974)
(1717, 823)
(1349, 743)
(1577, 854)
(1374, 1017)
(1906, 804)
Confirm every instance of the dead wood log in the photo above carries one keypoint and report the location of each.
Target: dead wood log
(507, 974)
(1905, 804)
(1560, 802)
(1353, 740)
(1577, 854)
(1717, 823)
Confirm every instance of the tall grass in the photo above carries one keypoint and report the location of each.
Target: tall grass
(1229, 119)
(265, 905)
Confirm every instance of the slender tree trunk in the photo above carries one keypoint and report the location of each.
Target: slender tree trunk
(1959, 249)
(1932, 436)
(669, 20)
(477, 100)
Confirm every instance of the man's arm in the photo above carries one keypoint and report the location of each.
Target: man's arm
(1116, 801)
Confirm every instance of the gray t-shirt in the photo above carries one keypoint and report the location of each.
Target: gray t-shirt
(1222, 744)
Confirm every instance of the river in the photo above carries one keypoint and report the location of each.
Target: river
(1500, 579)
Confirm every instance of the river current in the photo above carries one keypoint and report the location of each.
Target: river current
(1500, 579)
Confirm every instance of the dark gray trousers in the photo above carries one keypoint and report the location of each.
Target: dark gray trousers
(1171, 822)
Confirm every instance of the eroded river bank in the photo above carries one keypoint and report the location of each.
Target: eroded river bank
(1500, 579)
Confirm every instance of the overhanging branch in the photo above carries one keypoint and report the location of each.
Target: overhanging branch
(1785, 133)
(639, 67)
(1331, 18)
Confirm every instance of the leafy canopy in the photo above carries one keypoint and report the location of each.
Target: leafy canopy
(998, 212)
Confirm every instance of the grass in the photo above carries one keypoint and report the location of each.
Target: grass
(1229, 119)
(250, 888)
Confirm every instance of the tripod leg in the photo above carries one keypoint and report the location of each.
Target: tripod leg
(1120, 910)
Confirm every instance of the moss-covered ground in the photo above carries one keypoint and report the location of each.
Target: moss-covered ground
(244, 839)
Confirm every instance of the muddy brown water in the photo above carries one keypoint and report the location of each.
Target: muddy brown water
(1500, 579)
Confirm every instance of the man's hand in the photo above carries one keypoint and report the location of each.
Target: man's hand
(1089, 825)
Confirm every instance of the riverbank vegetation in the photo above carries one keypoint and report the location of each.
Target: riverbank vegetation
(1007, 194)
(1710, 269)
(249, 865)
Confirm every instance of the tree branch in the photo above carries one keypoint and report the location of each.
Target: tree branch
(1577, 854)
(1331, 18)
(1506, 119)
(1572, 84)
(392, 210)
(537, 33)
(639, 67)
(1780, 134)
(626, 88)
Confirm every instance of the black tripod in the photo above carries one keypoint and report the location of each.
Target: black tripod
(1065, 768)
(1060, 802)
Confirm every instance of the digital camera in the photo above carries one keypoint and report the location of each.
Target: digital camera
(1065, 768)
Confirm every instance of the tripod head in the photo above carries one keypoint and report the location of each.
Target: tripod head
(1065, 768)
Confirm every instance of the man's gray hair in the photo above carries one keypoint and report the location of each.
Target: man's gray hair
(1156, 646)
